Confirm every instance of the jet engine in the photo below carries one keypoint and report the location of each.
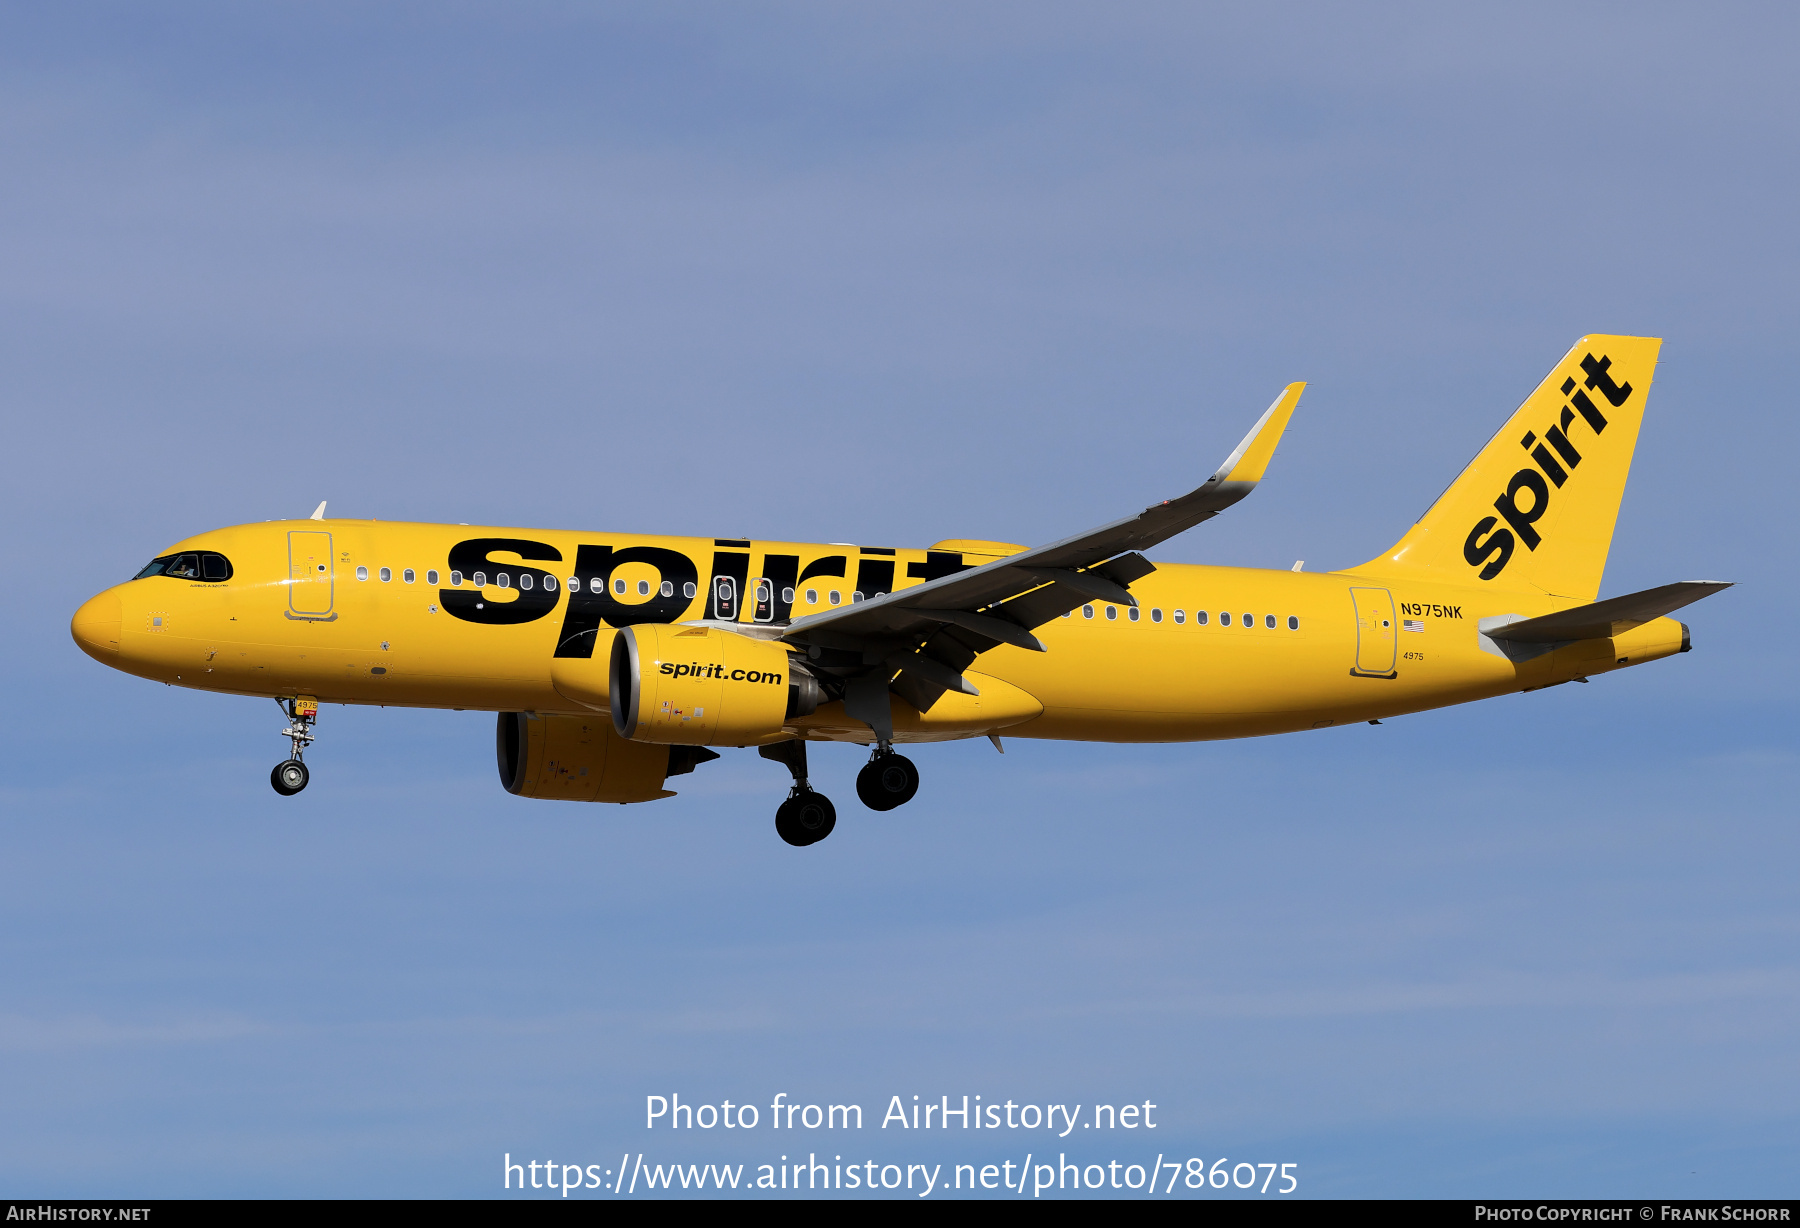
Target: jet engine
(581, 759)
(700, 686)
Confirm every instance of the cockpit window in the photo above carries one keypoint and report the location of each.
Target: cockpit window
(190, 565)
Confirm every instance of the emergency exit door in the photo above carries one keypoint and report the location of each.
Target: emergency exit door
(1375, 643)
(310, 575)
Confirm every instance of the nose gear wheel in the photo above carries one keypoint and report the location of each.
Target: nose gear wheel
(289, 777)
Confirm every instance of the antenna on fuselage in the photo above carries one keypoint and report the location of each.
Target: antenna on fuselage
(318, 512)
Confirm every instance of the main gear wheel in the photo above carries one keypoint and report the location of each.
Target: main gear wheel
(807, 817)
(886, 781)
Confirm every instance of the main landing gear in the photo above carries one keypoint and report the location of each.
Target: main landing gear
(807, 816)
(887, 780)
(290, 776)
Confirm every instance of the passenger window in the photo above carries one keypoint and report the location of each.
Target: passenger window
(1293, 623)
(787, 595)
(503, 580)
(1112, 612)
(597, 585)
(667, 589)
(431, 577)
(1224, 618)
(525, 582)
(688, 590)
(456, 579)
(1199, 618)
(362, 573)
(386, 573)
(1269, 621)
(834, 597)
(549, 584)
(812, 596)
(1180, 616)
(479, 579)
(855, 597)
(1087, 611)
(1155, 616)
(408, 575)
(619, 587)
(1132, 613)
(1249, 620)
(643, 588)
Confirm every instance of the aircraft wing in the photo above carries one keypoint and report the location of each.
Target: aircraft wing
(1601, 619)
(931, 632)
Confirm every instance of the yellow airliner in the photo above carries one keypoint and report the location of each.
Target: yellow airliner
(614, 661)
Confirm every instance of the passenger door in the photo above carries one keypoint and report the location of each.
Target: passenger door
(1375, 646)
(310, 576)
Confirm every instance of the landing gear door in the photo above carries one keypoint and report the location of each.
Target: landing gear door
(310, 575)
(1375, 641)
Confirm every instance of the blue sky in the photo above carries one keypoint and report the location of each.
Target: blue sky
(893, 273)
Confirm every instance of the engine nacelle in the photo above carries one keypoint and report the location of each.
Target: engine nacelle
(581, 759)
(701, 686)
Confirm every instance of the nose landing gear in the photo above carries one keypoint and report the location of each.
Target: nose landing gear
(807, 816)
(887, 780)
(290, 776)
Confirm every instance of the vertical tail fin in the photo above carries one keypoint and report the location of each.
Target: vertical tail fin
(1535, 509)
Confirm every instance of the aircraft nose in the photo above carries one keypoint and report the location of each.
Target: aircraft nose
(96, 627)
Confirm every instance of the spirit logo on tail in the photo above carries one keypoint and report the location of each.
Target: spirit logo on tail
(1492, 553)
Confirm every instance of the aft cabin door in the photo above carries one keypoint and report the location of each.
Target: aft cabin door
(309, 576)
(1375, 645)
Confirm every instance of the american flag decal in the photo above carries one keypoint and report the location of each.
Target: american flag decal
(1412, 624)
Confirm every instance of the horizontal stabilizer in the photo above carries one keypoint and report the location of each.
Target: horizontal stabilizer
(1602, 619)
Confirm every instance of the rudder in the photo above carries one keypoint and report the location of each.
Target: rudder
(1535, 509)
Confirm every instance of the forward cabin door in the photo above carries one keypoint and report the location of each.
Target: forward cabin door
(310, 574)
(1375, 641)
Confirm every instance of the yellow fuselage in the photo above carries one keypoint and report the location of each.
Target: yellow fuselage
(294, 619)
